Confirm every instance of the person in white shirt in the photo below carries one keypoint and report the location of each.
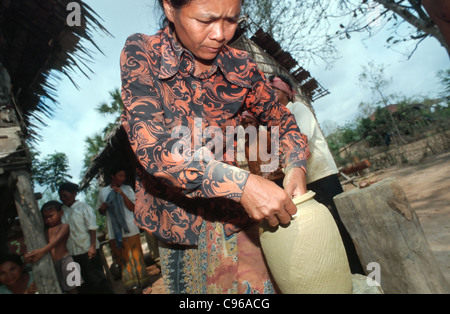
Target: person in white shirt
(116, 200)
(83, 244)
(322, 172)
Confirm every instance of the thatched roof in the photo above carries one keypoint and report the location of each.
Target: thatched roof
(37, 46)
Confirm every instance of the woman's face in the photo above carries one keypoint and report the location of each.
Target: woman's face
(9, 273)
(204, 26)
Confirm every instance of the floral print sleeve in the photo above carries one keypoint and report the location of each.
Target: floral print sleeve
(152, 140)
(173, 120)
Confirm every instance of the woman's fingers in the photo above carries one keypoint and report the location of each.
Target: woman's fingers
(263, 199)
(295, 182)
(290, 207)
(273, 221)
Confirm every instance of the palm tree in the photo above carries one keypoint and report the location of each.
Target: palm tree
(96, 142)
(114, 107)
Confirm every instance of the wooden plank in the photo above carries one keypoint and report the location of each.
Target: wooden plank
(105, 264)
(347, 178)
(32, 224)
(386, 230)
(9, 141)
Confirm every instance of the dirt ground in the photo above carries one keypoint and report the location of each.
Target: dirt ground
(427, 187)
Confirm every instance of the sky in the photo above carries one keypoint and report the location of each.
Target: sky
(77, 118)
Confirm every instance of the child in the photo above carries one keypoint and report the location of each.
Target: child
(57, 234)
(14, 279)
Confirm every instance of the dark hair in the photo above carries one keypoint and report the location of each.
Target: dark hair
(69, 187)
(116, 168)
(52, 205)
(177, 4)
(15, 258)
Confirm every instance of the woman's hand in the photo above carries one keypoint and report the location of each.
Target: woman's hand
(263, 199)
(295, 182)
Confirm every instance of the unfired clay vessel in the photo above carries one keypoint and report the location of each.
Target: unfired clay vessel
(307, 256)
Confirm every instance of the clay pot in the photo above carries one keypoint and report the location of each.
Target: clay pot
(307, 255)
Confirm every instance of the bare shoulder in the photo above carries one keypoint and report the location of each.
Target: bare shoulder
(59, 228)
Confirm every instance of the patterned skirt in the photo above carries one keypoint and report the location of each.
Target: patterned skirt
(219, 264)
(131, 260)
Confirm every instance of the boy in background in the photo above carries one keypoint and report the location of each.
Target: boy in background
(57, 235)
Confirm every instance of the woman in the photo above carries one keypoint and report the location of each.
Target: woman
(322, 175)
(183, 89)
(14, 279)
(83, 244)
(124, 235)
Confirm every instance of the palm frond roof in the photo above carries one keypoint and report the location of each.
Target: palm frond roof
(37, 47)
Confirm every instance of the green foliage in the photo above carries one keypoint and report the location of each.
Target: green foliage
(367, 131)
(444, 77)
(50, 171)
(113, 108)
(95, 143)
(414, 119)
(343, 136)
(379, 123)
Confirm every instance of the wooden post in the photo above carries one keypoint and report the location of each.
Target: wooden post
(32, 224)
(105, 264)
(386, 230)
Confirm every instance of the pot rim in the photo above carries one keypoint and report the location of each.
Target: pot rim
(304, 197)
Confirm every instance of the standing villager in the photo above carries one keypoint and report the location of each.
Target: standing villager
(322, 177)
(117, 202)
(184, 91)
(83, 244)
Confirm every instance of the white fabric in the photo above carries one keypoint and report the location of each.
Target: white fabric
(129, 216)
(81, 219)
(321, 163)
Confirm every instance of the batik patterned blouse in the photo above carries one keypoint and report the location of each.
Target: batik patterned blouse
(180, 127)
